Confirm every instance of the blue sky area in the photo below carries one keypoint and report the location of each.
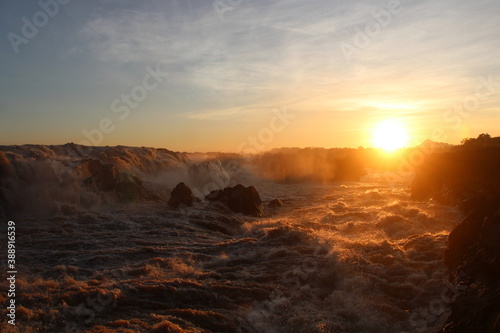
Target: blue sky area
(227, 70)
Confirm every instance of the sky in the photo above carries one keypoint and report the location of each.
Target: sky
(246, 75)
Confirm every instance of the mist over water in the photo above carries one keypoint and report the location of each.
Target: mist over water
(337, 257)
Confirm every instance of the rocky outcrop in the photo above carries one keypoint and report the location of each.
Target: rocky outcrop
(181, 195)
(469, 179)
(473, 257)
(460, 176)
(239, 199)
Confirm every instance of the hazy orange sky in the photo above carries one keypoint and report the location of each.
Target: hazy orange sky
(229, 75)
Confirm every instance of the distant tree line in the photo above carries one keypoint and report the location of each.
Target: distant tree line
(483, 140)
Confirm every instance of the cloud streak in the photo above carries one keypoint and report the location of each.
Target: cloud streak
(267, 54)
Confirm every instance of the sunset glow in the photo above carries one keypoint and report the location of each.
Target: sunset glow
(390, 135)
(146, 73)
(250, 166)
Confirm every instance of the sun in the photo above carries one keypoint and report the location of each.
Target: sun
(390, 135)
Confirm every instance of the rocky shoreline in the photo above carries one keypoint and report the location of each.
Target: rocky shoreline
(470, 180)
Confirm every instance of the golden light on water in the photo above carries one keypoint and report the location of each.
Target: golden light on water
(390, 135)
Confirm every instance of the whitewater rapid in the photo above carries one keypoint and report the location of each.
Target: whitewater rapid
(339, 257)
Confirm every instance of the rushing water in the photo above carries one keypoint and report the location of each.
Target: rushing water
(344, 257)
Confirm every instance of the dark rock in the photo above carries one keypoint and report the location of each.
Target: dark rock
(460, 240)
(458, 177)
(239, 199)
(275, 203)
(181, 194)
(490, 233)
(473, 257)
(102, 176)
(469, 179)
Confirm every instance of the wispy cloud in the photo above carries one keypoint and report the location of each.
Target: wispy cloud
(287, 52)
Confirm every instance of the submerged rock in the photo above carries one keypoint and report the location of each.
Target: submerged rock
(275, 203)
(181, 194)
(239, 199)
